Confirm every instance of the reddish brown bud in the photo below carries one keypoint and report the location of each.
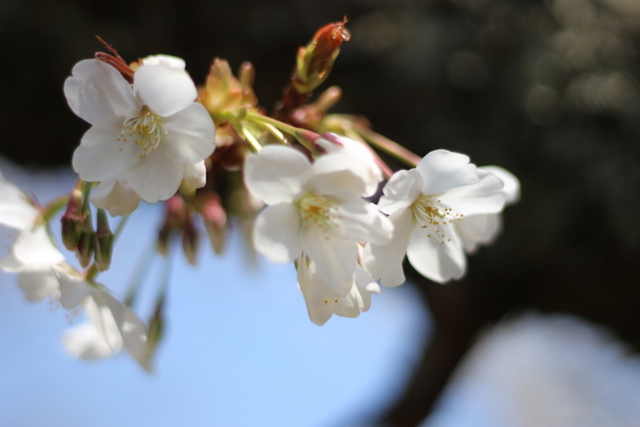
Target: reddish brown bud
(72, 221)
(215, 221)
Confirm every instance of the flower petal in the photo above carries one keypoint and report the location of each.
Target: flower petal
(360, 221)
(73, 288)
(276, 174)
(165, 89)
(190, 134)
(115, 195)
(34, 246)
(318, 297)
(196, 174)
(338, 176)
(38, 283)
(511, 188)
(85, 342)
(481, 229)
(384, 262)
(483, 197)
(434, 260)
(336, 258)
(101, 155)
(16, 210)
(96, 91)
(401, 191)
(157, 176)
(442, 170)
(276, 233)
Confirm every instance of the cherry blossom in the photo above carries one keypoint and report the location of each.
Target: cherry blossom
(316, 208)
(145, 138)
(425, 205)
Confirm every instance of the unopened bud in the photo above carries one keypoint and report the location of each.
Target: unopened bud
(315, 60)
(174, 220)
(87, 242)
(224, 93)
(72, 221)
(144, 354)
(190, 239)
(104, 242)
(215, 221)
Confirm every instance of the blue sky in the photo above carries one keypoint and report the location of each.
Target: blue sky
(239, 348)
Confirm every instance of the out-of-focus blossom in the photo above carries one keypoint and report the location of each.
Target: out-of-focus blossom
(33, 251)
(425, 205)
(112, 326)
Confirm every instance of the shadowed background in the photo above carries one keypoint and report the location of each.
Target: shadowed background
(548, 90)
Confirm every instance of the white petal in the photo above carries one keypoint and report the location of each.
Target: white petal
(167, 60)
(34, 246)
(434, 260)
(318, 297)
(116, 196)
(156, 177)
(85, 341)
(360, 221)
(196, 174)
(190, 134)
(100, 155)
(38, 283)
(511, 188)
(73, 288)
(165, 89)
(478, 230)
(336, 259)
(16, 210)
(359, 153)
(384, 262)
(401, 191)
(338, 176)
(96, 91)
(484, 197)
(442, 170)
(276, 174)
(276, 233)
(131, 330)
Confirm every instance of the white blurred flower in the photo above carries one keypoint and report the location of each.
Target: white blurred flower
(323, 300)
(425, 205)
(112, 326)
(360, 155)
(33, 252)
(316, 208)
(144, 137)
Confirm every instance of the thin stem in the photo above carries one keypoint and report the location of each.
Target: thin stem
(388, 146)
(291, 130)
(143, 268)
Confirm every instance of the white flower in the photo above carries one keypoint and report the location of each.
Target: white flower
(143, 136)
(482, 229)
(112, 326)
(33, 251)
(425, 205)
(316, 208)
(323, 300)
(361, 156)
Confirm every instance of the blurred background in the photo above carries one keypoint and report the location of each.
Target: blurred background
(547, 89)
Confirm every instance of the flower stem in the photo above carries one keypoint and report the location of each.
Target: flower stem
(297, 133)
(388, 146)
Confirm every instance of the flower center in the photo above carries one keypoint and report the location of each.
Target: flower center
(146, 130)
(320, 211)
(433, 216)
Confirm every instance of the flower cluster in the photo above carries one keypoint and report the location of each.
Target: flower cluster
(303, 184)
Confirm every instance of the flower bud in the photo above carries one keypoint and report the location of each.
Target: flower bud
(72, 221)
(224, 93)
(144, 354)
(104, 242)
(174, 220)
(215, 221)
(87, 241)
(315, 60)
(190, 239)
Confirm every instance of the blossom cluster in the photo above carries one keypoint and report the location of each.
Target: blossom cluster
(308, 186)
